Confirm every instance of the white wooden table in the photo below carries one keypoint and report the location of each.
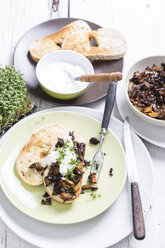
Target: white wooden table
(143, 24)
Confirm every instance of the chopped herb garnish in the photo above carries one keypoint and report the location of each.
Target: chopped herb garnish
(71, 149)
(73, 161)
(70, 174)
(63, 151)
(57, 148)
(62, 154)
(94, 195)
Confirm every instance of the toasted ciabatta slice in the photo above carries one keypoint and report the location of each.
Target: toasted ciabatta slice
(110, 44)
(36, 149)
(66, 189)
(53, 42)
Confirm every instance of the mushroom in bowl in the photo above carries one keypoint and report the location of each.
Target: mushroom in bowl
(145, 89)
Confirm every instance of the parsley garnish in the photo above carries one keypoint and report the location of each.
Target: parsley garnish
(71, 149)
(94, 195)
(70, 174)
(62, 153)
(73, 161)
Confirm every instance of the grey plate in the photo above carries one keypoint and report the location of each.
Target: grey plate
(24, 63)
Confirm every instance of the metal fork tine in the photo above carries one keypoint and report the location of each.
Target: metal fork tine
(97, 162)
(98, 159)
(92, 167)
(98, 174)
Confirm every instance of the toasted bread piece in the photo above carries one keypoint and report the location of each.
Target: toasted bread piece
(35, 150)
(110, 44)
(53, 42)
(41, 47)
(77, 187)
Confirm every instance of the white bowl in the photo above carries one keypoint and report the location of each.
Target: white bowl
(67, 56)
(140, 66)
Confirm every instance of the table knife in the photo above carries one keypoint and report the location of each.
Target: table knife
(137, 211)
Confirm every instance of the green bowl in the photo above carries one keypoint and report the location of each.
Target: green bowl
(61, 95)
(67, 56)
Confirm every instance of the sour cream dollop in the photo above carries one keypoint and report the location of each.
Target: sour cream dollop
(66, 154)
(59, 76)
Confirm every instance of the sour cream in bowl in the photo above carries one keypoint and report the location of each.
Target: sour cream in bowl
(56, 72)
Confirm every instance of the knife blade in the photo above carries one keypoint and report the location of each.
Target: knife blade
(137, 211)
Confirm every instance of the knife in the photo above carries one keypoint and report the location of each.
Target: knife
(137, 211)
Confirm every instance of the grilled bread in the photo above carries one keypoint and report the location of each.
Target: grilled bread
(36, 149)
(110, 44)
(53, 42)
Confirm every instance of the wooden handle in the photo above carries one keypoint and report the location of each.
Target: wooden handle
(137, 212)
(102, 77)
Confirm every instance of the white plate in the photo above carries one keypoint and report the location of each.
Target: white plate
(149, 132)
(102, 231)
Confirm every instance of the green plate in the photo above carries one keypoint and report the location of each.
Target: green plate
(28, 199)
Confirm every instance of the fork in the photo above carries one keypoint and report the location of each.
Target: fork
(98, 158)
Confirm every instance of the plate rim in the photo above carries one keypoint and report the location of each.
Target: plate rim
(12, 227)
(70, 222)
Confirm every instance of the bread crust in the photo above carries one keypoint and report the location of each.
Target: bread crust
(111, 44)
(53, 42)
(33, 151)
(41, 47)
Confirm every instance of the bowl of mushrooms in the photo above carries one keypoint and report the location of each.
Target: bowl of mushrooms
(145, 89)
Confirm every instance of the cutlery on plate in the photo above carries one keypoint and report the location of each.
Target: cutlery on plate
(101, 77)
(137, 211)
(98, 158)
